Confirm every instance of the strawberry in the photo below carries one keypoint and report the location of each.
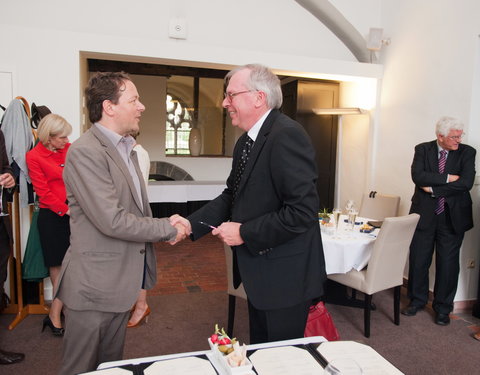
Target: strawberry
(224, 341)
(214, 338)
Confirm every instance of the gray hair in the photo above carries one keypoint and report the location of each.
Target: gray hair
(261, 79)
(445, 124)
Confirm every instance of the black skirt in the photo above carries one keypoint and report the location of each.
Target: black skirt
(54, 233)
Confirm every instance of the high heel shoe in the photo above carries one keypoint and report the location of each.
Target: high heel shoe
(144, 317)
(47, 322)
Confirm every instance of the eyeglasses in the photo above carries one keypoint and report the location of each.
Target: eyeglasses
(230, 95)
(456, 137)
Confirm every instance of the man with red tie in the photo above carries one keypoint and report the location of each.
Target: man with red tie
(443, 171)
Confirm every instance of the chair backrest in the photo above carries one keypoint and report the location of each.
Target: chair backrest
(240, 291)
(390, 251)
(379, 206)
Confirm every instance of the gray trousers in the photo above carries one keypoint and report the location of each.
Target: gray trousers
(91, 338)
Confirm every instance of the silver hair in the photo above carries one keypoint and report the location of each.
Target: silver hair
(261, 79)
(445, 124)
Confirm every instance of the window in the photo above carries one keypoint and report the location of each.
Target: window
(178, 125)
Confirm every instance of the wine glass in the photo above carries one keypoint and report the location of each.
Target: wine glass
(343, 366)
(349, 205)
(336, 216)
(2, 208)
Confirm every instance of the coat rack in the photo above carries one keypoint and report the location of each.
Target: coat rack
(19, 308)
(17, 305)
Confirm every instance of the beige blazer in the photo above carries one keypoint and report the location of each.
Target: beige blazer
(111, 229)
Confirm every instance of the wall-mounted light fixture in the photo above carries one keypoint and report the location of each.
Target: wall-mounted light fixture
(339, 111)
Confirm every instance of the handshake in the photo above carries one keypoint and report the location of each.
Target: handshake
(183, 226)
(228, 232)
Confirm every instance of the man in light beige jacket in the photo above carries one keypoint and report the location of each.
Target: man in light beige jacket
(111, 256)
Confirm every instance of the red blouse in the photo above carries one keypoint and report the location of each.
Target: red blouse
(45, 168)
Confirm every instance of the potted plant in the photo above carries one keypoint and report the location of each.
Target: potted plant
(324, 215)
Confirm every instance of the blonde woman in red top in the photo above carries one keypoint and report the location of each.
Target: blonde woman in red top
(45, 166)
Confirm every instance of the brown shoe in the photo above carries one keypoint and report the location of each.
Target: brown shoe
(476, 336)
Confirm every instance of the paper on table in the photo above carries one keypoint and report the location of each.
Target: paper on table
(110, 371)
(369, 360)
(186, 365)
(285, 360)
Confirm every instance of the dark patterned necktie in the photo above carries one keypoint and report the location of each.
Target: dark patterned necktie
(241, 164)
(441, 167)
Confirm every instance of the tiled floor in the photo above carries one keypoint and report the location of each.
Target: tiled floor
(190, 267)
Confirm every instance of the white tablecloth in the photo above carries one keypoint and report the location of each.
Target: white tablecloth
(183, 191)
(347, 250)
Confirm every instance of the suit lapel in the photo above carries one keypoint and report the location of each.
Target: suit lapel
(433, 156)
(115, 156)
(257, 147)
(143, 188)
(452, 160)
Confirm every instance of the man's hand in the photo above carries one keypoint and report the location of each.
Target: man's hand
(7, 180)
(183, 226)
(177, 219)
(229, 233)
(453, 177)
(427, 189)
(181, 234)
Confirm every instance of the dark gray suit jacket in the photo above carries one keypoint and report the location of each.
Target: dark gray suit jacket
(457, 194)
(281, 262)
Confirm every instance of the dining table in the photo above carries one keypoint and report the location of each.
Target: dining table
(346, 248)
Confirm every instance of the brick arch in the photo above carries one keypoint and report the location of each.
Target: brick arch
(161, 170)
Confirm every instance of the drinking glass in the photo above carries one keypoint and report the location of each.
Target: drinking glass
(352, 216)
(2, 209)
(343, 366)
(349, 206)
(336, 216)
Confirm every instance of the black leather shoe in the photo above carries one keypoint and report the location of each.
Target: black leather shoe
(47, 322)
(442, 319)
(411, 310)
(8, 358)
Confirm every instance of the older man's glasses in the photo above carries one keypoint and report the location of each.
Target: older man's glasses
(456, 138)
(230, 95)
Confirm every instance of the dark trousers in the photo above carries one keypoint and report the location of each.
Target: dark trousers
(279, 324)
(446, 243)
(4, 255)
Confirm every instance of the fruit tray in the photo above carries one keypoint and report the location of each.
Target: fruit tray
(221, 359)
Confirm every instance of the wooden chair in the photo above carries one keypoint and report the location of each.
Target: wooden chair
(232, 292)
(386, 266)
(378, 206)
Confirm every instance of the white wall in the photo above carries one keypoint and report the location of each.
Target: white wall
(429, 72)
(428, 68)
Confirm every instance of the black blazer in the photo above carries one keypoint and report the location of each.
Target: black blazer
(5, 168)
(281, 262)
(457, 194)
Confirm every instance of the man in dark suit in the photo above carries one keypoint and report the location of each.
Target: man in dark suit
(6, 181)
(268, 213)
(443, 171)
